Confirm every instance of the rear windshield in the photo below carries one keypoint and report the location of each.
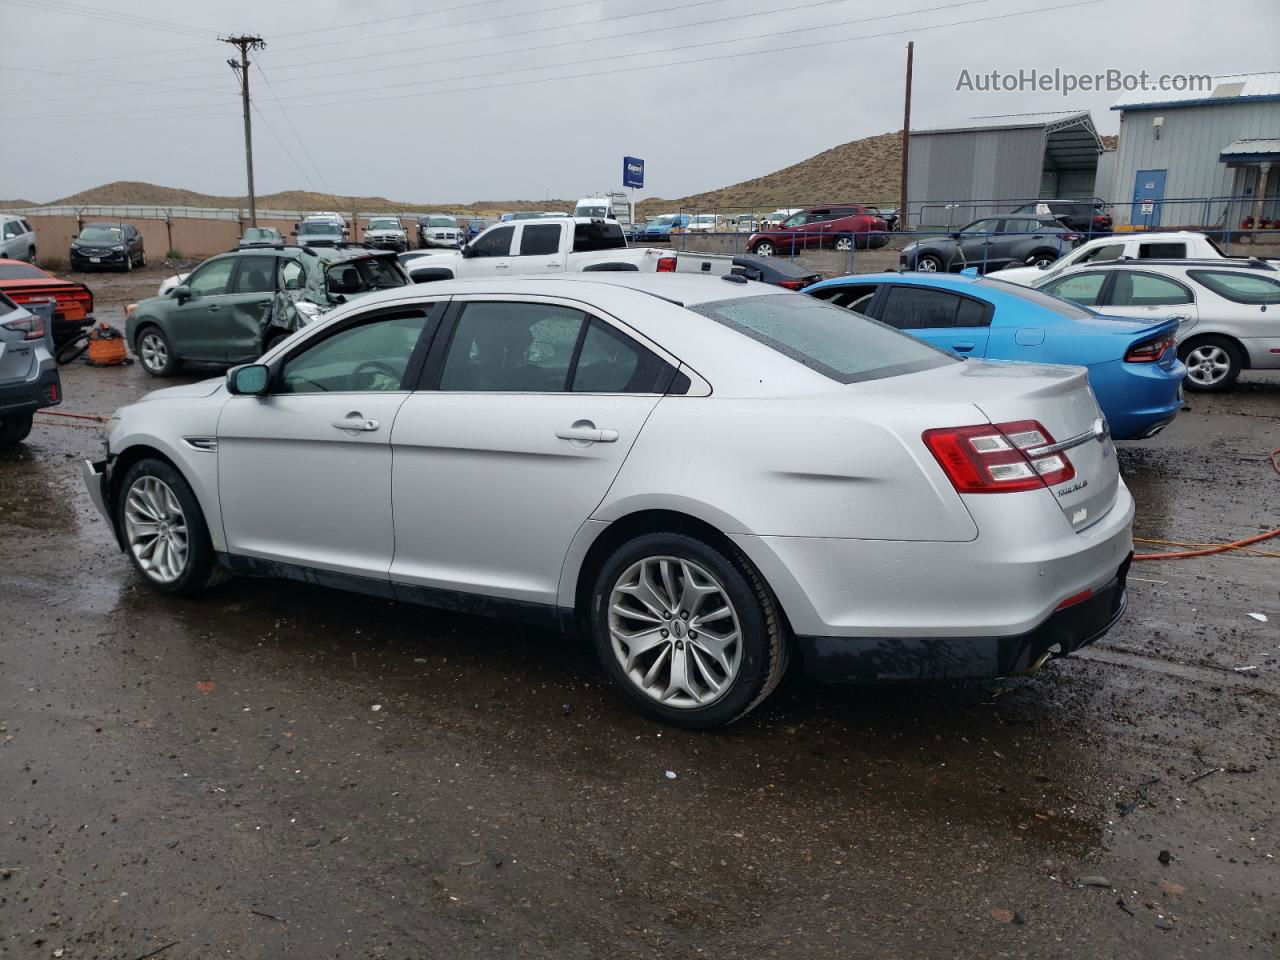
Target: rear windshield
(21, 271)
(100, 234)
(1067, 308)
(1239, 286)
(361, 276)
(845, 346)
(607, 235)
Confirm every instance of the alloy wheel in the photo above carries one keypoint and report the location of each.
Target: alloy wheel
(927, 266)
(764, 250)
(844, 244)
(675, 632)
(1207, 364)
(156, 529)
(154, 351)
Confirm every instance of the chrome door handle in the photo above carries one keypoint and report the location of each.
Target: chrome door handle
(589, 434)
(502, 266)
(213, 307)
(553, 264)
(356, 422)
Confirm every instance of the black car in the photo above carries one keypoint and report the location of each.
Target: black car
(776, 270)
(991, 244)
(102, 245)
(1089, 217)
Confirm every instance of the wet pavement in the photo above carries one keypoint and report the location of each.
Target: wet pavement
(275, 770)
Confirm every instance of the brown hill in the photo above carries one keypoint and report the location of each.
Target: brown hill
(126, 192)
(866, 170)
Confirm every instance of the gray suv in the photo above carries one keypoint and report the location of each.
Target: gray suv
(17, 238)
(28, 373)
(991, 244)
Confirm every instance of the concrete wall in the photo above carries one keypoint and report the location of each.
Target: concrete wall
(1188, 149)
(966, 165)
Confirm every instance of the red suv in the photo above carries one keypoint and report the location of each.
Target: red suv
(840, 227)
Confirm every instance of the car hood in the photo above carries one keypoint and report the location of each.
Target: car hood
(189, 391)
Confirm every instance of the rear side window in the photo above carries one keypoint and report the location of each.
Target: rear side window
(918, 308)
(606, 235)
(512, 347)
(843, 346)
(1133, 289)
(611, 362)
(1239, 286)
(1162, 251)
(539, 239)
(255, 275)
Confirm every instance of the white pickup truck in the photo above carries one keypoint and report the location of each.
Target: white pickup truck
(1169, 245)
(558, 245)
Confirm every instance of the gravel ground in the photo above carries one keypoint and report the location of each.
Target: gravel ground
(212, 775)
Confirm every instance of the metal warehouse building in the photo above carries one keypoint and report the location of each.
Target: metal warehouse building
(1184, 157)
(960, 174)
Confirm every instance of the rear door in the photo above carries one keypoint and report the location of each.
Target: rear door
(247, 306)
(539, 248)
(946, 319)
(529, 407)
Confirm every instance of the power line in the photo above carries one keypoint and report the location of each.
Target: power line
(109, 16)
(425, 13)
(289, 153)
(920, 28)
(81, 76)
(302, 143)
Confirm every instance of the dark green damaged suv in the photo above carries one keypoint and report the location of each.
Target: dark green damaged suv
(235, 306)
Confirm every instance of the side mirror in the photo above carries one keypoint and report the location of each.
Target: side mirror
(248, 380)
(466, 250)
(955, 235)
(182, 293)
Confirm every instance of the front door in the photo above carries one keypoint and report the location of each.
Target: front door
(195, 327)
(490, 254)
(945, 319)
(506, 453)
(979, 244)
(1148, 191)
(304, 473)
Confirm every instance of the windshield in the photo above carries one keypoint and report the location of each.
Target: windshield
(846, 347)
(21, 271)
(1067, 308)
(442, 222)
(319, 229)
(384, 224)
(100, 234)
(664, 221)
(361, 276)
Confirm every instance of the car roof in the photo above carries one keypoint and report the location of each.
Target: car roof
(1203, 263)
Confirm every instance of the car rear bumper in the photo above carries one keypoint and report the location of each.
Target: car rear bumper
(1264, 352)
(867, 659)
(45, 390)
(1138, 399)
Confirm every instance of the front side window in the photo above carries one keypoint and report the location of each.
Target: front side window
(843, 346)
(979, 227)
(919, 308)
(11, 229)
(611, 362)
(512, 347)
(1133, 289)
(255, 275)
(211, 278)
(1082, 288)
(493, 243)
(1239, 286)
(371, 357)
(1106, 251)
(796, 220)
(539, 239)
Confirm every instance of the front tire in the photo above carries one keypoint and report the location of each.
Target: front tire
(164, 529)
(15, 429)
(156, 353)
(1213, 364)
(928, 263)
(692, 636)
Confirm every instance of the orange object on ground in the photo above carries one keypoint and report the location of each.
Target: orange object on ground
(106, 346)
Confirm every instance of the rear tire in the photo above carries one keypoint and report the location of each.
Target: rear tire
(155, 352)
(15, 429)
(164, 530)
(1213, 364)
(763, 249)
(659, 591)
(1042, 257)
(844, 244)
(31, 255)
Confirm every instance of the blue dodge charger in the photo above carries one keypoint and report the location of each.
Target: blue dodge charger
(1133, 367)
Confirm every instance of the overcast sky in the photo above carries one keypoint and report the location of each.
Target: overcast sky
(428, 100)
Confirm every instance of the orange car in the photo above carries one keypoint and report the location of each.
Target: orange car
(73, 309)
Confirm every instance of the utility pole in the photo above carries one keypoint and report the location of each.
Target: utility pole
(245, 44)
(904, 216)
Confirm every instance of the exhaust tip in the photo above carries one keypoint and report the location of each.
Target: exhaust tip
(1039, 662)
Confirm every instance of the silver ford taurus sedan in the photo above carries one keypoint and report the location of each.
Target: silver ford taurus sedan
(703, 475)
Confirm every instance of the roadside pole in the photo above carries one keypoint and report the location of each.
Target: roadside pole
(904, 216)
(245, 44)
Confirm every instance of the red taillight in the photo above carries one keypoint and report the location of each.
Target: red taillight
(993, 458)
(1070, 237)
(666, 264)
(1075, 598)
(793, 284)
(31, 328)
(1149, 351)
